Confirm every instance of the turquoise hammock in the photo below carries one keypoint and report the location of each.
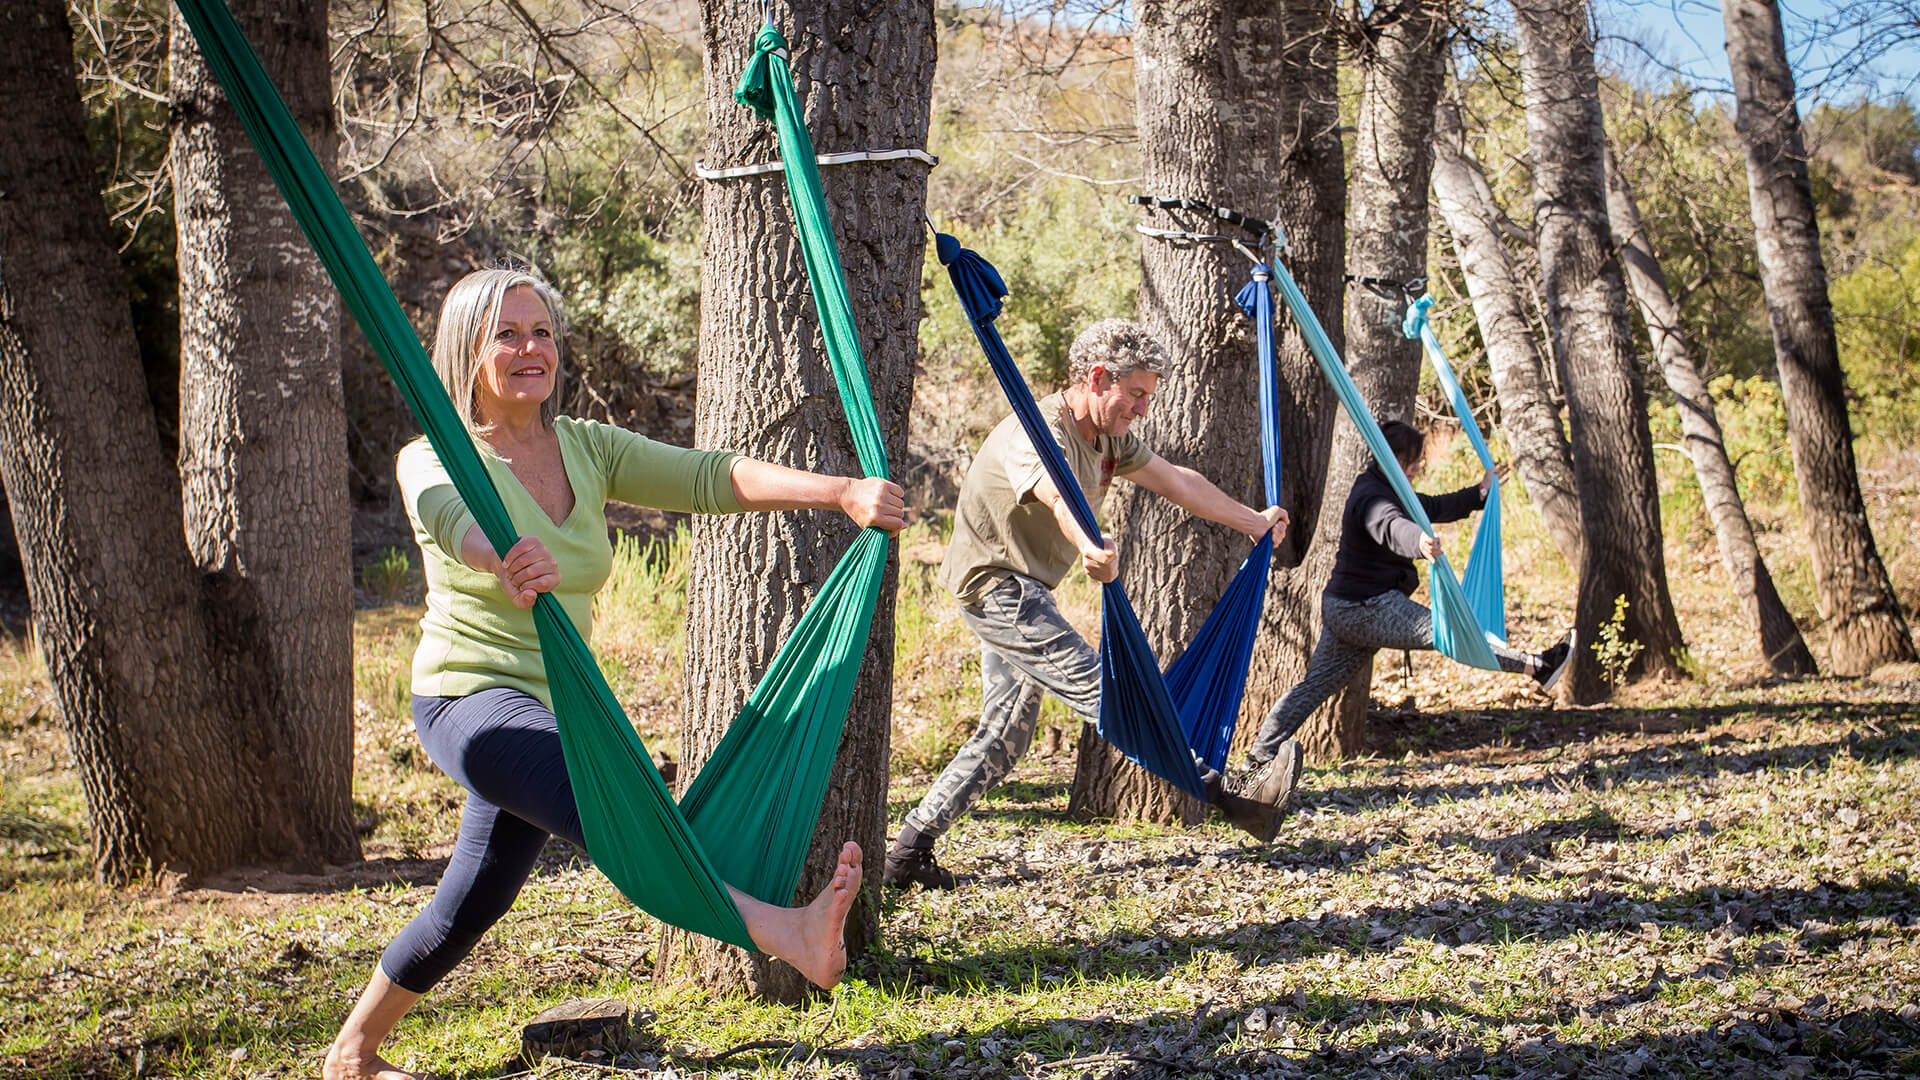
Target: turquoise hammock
(1457, 633)
(1483, 582)
(1160, 723)
(748, 818)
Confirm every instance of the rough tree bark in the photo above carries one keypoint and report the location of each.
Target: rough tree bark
(865, 78)
(1528, 412)
(1780, 641)
(263, 456)
(1228, 114)
(1853, 592)
(1401, 55)
(145, 686)
(1587, 306)
(1312, 211)
(1210, 85)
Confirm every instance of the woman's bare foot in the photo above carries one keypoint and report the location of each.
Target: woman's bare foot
(341, 1066)
(810, 938)
(822, 952)
(355, 1053)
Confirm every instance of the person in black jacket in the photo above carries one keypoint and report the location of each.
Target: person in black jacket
(1368, 604)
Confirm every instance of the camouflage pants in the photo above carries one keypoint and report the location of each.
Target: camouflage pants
(1026, 647)
(1351, 631)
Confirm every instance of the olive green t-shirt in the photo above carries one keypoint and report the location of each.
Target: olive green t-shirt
(1000, 528)
(472, 636)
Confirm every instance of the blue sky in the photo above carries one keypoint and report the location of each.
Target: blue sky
(1687, 36)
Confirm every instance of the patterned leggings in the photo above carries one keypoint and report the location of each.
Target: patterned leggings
(1351, 631)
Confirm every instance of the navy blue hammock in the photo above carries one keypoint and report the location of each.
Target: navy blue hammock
(1167, 725)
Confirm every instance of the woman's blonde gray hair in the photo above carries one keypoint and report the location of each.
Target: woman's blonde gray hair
(467, 318)
(1119, 345)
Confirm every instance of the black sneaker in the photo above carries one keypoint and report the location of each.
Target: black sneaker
(1553, 662)
(915, 866)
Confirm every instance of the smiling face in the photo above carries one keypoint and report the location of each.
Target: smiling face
(1113, 404)
(519, 363)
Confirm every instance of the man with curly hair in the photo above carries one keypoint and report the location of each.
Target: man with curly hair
(1014, 540)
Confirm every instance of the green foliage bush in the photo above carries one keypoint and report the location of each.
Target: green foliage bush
(1069, 257)
(1876, 311)
(1868, 136)
(1753, 427)
(646, 592)
(633, 299)
(1615, 650)
(389, 576)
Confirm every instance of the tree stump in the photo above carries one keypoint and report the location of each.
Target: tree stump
(574, 1029)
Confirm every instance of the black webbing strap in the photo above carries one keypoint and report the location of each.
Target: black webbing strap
(1258, 229)
(1407, 290)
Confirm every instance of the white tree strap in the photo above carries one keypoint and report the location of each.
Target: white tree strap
(849, 158)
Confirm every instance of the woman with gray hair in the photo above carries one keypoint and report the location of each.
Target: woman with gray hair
(481, 703)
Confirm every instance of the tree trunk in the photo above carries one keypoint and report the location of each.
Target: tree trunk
(1209, 86)
(1587, 307)
(1401, 66)
(1780, 642)
(263, 433)
(865, 77)
(1852, 589)
(120, 608)
(1230, 114)
(1528, 412)
(1312, 211)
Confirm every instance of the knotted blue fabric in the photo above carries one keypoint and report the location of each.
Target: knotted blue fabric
(1484, 582)
(1158, 723)
(1456, 632)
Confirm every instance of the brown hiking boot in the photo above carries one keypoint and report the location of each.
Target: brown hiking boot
(915, 866)
(1260, 803)
(1273, 783)
(1258, 820)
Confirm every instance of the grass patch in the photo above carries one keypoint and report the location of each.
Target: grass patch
(1717, 880)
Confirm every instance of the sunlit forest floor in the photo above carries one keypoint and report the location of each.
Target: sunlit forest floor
(1715, 878)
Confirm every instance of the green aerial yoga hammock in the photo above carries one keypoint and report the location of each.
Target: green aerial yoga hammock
(749, 816)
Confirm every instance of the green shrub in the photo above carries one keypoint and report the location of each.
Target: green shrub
(1753, 427)
(390, 576)
(1615, 650)
(1876, 311)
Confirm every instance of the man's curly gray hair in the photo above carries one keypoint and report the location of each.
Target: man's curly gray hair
(1119, 345)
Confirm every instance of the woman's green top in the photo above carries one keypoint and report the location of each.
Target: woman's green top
(473, 637)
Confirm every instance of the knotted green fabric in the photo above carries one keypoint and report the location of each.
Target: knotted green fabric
(810, 684)
(749, 816)
(767, 88)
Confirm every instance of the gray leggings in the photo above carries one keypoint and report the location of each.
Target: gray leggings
(1351, 631)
